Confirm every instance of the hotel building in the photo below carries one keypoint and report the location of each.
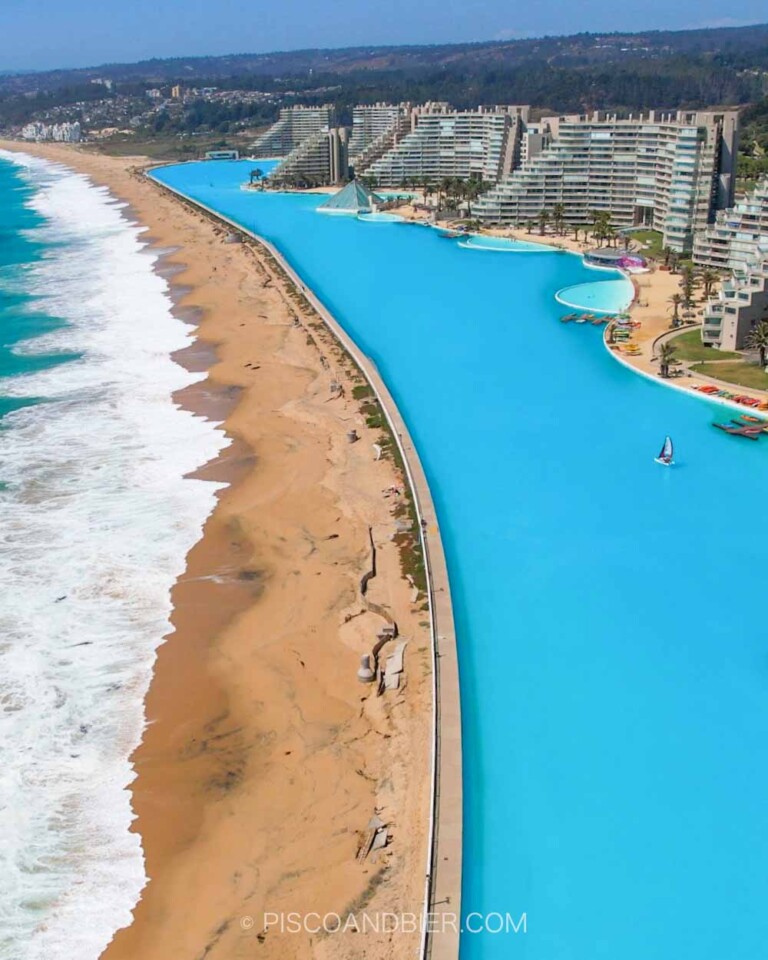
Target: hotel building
(314, 151)
(737, 235)
(434, 141)
(295, 124)
(320, 159)
(371, 122)
(736, 241)
(668, 171)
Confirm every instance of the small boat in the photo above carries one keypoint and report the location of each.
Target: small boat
(666, 453)
(752, 423)
(751, 433)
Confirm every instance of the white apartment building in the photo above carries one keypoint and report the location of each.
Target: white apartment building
(741, 303)
(294, 125)
(443, 142)
(669, 171)
(738, 235)
(60, 132)
(736, 241)
(318, 160)
(371, 121)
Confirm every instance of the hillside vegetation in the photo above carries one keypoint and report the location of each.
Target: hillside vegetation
(620, 71)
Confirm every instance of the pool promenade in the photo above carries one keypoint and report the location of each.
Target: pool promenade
(442, 882)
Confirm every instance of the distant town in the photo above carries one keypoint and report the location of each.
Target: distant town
(176, 109)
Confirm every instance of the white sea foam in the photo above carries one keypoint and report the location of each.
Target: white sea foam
(95, 524)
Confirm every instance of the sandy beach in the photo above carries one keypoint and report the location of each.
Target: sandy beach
(264, 758)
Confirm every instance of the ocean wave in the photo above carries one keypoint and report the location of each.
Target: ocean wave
(96, 519)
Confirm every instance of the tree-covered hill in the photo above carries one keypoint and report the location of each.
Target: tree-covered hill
(734, 49)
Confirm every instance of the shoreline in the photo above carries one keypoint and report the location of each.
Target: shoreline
(443, 875)
(263, 756)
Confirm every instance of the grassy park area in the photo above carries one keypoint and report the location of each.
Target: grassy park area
(743, 373)
(688, 346)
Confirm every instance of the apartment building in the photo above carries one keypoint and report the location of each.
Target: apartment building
(372, 121)
(294, 125)
(318, 160)
(436, 141)
(59, 132)
(736, 241)
(667, 171)
(741, 303)
(738, 234)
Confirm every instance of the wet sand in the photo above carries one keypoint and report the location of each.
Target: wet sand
(264, 758)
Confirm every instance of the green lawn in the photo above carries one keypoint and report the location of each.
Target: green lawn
(170, 147)
(688, 346)
(743, 374)
(651, 237)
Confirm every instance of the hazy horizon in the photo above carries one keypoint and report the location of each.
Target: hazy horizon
(52, 35)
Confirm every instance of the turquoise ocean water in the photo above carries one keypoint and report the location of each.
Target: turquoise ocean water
(18, 251)
(96, 518)
(613, 648)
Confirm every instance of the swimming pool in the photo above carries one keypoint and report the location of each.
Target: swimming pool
(602, 296)
(504, 245)
(380, 217)
(613, 660)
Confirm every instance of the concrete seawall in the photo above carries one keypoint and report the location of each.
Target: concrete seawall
(442, 882)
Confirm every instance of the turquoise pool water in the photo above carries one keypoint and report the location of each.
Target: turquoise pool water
(601, 296)
(380, 218)
(504, 245)
(614, 657)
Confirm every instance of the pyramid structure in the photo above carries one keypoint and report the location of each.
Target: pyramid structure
(355, 197)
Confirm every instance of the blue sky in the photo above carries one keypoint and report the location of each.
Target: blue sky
(41, 34)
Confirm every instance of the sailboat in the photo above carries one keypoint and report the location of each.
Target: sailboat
(666, 453)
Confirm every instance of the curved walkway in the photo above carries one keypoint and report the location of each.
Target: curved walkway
(442, 882)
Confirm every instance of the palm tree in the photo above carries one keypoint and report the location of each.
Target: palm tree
(460, 193)
(602, 228)
(472, 189)
(688, 283)
(443, 190)
(543, 221)
(667, 253)
(676, 300)
(708, 278)
(558, 216)
(757, 339)
(257, 174)
(667, 354)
